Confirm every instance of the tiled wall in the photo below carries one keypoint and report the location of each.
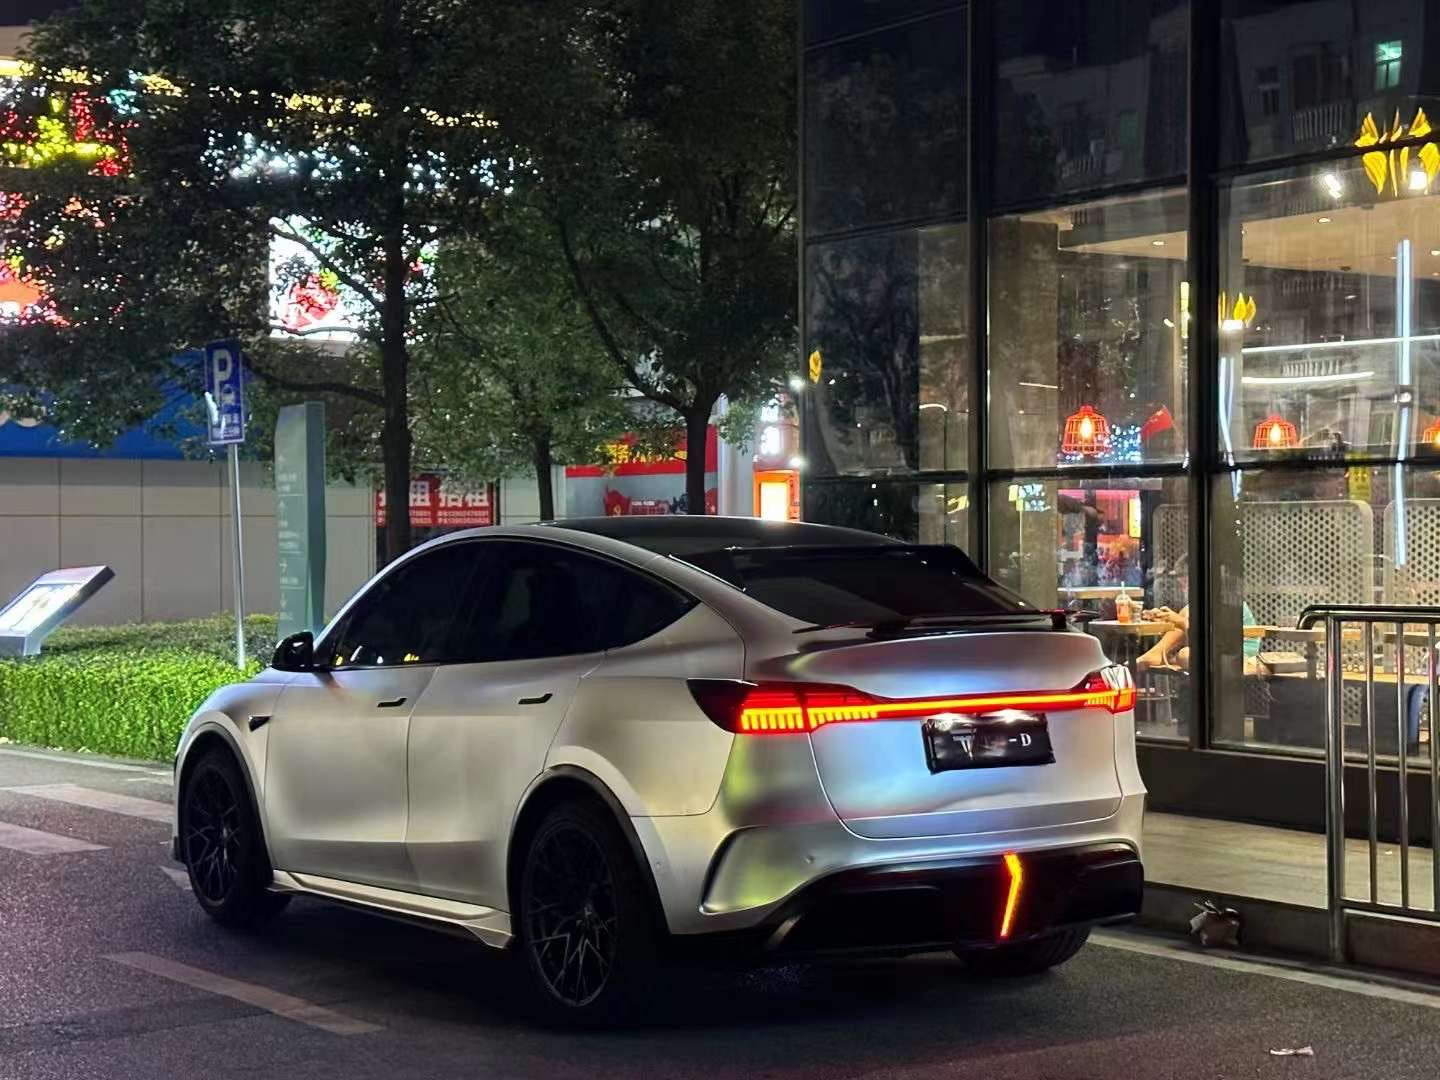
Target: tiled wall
(164, 528)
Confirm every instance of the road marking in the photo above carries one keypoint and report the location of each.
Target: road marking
(272, 1001)
(1274, 969)
(179, 877)
(63, 759)
(98, 800)
(35, 842)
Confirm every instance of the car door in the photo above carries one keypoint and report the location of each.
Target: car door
(540, 617)
(336, 787)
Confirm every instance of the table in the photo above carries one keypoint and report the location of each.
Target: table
(1131, 634)
(1100, 592)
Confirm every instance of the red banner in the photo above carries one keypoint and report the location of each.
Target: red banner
(624, 460)
(438, 503)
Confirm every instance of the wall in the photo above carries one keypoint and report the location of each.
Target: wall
(164, 527)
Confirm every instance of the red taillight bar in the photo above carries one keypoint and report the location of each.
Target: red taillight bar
(787, 708)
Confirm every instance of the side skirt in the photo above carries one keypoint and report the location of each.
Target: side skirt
(490, 925)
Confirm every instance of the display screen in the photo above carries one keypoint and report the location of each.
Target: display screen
(36, 604)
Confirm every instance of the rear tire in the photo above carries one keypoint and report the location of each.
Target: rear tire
(222, 846)
(1026, 957)
(587, 934)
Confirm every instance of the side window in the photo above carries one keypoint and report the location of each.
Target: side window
(408, 616)
(537, 601)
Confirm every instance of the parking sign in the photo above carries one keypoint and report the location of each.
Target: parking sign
(224, 393)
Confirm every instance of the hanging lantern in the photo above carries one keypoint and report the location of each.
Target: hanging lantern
(1430, 437)
(1276, 433)
(1087, 433)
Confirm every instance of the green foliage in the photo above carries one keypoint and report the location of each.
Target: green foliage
(663, 140)
(124, 690)
(214, 637)
(510, 377)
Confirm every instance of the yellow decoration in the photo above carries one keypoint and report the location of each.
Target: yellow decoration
(816, 366)
(1392, 165)
(1242, 311)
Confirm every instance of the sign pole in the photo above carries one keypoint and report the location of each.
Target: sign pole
(225, 407)
(238, 546)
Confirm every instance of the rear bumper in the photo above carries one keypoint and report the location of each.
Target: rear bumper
(958, 904)
(911, 908)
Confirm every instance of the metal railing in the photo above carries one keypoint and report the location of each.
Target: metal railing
(1367, 617)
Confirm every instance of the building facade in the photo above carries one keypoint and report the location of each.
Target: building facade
(1141, 298)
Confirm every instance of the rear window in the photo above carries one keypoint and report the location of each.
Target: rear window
(824, 585)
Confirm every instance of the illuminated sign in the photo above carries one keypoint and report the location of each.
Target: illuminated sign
(45, 603)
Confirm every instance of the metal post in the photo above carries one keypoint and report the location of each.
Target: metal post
(237, 553)
(1335, 787)
(1370, 771)
(1402, 763)
(1432, 670)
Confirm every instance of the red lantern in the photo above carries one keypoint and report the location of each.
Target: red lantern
(1430, 437)
(1276, 433)
(1087, 432)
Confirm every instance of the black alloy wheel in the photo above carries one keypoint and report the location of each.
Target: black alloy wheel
(214, 824)
(222, 845)
(571, 919)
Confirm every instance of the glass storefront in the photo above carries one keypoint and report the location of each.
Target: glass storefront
(1058, 432)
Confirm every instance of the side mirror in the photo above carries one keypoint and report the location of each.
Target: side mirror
(295, 653)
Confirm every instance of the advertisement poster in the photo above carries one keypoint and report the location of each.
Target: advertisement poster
(632, 483)
(437, 502)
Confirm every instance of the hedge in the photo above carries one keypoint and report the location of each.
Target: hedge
(123, 690)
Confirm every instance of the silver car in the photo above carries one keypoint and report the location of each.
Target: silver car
(602, 743)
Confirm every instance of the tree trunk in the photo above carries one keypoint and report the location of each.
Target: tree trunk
(544, 461)
(395, 442)
(697, 422)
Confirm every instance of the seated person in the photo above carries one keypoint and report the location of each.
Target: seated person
(1171, 651)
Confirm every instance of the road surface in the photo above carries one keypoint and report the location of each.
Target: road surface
(109, 970)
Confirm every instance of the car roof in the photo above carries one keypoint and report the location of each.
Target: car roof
(673, 534)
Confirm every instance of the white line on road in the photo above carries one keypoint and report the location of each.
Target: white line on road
(272, 1001)
(179, 877)
(98, 800)
(64, 759)
(35, 842)
(1269, 968)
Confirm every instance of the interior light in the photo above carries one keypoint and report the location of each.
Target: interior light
(1331, 183)
(1232, 326)
(796, 383)
(1417, 180)
(1435, 251)
(1157, 243)
(1323, 221)
(1170, 323)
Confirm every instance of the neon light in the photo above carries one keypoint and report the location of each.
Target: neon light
(1012, 898)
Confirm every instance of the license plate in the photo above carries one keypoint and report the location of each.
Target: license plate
(987, 742)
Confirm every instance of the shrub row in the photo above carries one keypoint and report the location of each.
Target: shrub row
(124, 690)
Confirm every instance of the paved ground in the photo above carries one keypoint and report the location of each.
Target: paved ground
(108, 970)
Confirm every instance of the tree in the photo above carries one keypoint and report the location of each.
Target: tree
(352, 134)
(511, 376)
(661, 145)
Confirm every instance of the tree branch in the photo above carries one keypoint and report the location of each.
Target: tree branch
(587, 299)
(347, 279)
(359, 393)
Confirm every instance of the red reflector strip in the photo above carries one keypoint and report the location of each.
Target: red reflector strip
(1012, 897)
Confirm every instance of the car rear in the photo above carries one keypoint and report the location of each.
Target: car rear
(921, 759)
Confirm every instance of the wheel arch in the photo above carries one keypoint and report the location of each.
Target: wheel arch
(204, 741)
(559, 784)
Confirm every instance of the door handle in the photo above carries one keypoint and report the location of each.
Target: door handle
(535, 700)
(391, 704)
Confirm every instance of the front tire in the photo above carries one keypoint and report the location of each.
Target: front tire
(1026, 957)
(221, 844)
(587, 933)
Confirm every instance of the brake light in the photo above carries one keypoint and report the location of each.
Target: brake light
(1012, 895)
(788, 708)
